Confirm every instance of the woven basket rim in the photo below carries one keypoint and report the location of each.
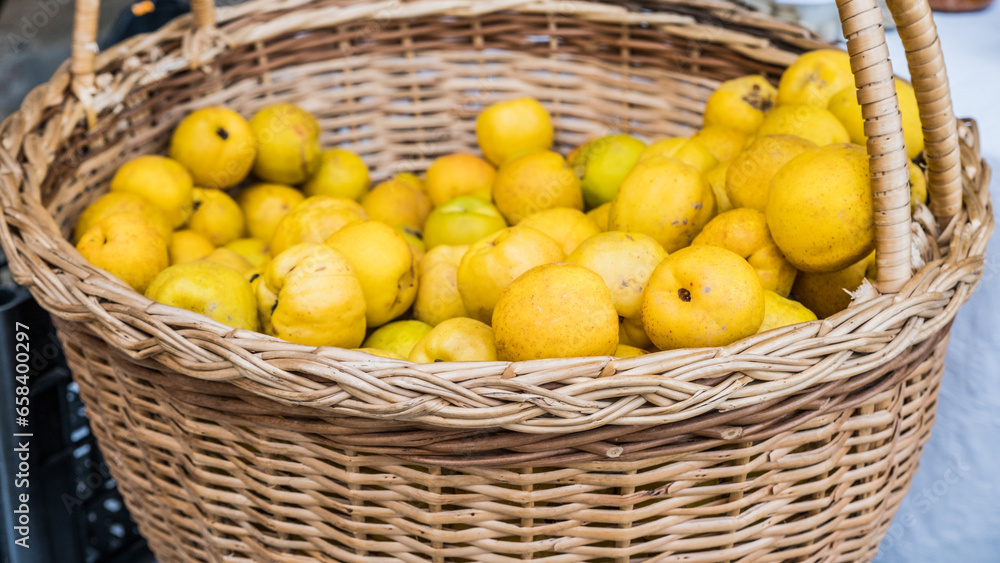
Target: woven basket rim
(786, 361)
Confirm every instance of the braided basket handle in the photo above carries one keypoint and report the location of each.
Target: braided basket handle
(85, 35)
(862, 22)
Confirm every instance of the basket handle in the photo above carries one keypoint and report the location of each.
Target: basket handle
(85, 35)
(873, 76)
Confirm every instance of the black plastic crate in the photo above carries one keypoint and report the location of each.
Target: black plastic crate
(75, 511)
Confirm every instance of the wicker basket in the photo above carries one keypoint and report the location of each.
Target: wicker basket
(794, 445)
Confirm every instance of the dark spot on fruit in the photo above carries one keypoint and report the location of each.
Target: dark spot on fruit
(436, 360)
(321, 268)
(197, 205)
(697, 206)
(757, 101)
(254, 277)
(707, 289)
(222, 133)
(685, 221)
(684, 294)
(621, 319)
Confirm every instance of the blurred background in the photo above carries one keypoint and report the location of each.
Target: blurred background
(952, 512)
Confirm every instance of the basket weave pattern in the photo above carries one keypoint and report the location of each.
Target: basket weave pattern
(794, 445)
(206, 475)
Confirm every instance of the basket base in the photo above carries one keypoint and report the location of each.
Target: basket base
(210, 485)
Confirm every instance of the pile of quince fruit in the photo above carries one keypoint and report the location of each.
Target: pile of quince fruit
(762, 219)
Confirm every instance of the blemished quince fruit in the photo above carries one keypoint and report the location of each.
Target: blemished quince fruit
(513, 127)
(188, 246)
(341, 173)
(723, 142)
(813, 123)
(128, 246)
(665, 199)
(740, 103)
(438, 298)
(113, 203)
(398, 337)
(535, 182)
(821, 209)
(397, 203)
(288, 149)
(461, 221)
(744, 231)
(310, 294)
(216, 145)
(252, 249)
(383, 263)
(459, 174)
(217, 216)
(716, 179)
(253, 275)
(555, 311)
(456, 340)
(624, 261)
(417, 245)
(230, 259)
(315, 219)
(265, 205)
(918, 185)
(493, 262)
(815, 77)
(161, 180)
(844, 105)
(602, 164)
(748, 179)
(626, 351)
(827, 293)
(631, 332)
(568, 227)
(688, 151)
(702, 296)
(780, 311)
(216, 291)
(599, 215)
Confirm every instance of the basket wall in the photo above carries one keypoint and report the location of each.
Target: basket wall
(210, 477)
(796, 445)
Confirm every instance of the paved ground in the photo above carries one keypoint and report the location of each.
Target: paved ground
(34, 41)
